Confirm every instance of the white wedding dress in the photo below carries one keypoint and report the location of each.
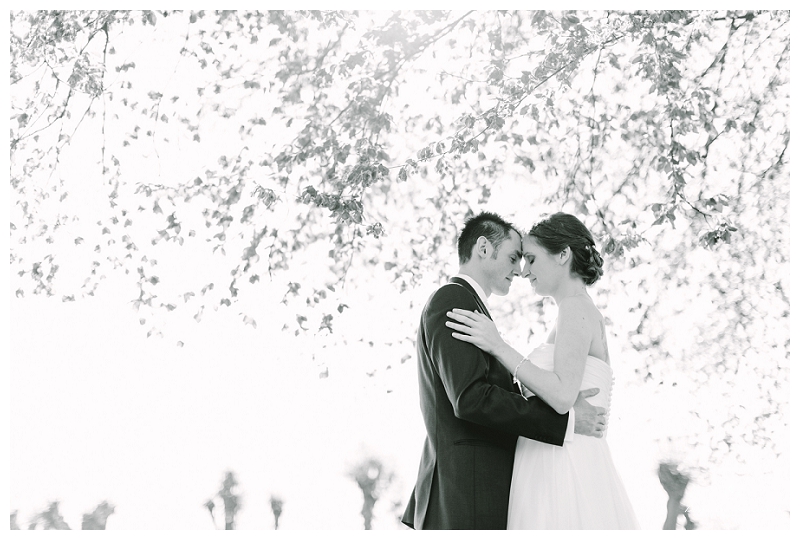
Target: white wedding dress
(575, 486)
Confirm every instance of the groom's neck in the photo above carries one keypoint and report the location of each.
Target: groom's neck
(473, 272)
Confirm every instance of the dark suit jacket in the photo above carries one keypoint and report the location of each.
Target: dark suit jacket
(473, 414)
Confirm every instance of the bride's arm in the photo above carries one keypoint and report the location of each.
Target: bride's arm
(558, 388)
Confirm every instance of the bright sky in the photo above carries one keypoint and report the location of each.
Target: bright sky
(99, 411)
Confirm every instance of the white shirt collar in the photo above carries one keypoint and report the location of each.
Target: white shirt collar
(478, 288)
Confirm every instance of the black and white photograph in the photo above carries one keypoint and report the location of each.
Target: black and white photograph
(399, 269)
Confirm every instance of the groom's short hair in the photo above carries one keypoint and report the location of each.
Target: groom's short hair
(487, 224)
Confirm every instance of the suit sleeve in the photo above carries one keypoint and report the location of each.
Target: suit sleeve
(463, 369)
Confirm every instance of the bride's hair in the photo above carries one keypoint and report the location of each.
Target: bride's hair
(561, 230)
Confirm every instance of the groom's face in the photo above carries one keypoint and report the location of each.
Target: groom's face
(503, 266)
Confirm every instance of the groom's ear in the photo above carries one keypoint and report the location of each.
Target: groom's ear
(482, 246)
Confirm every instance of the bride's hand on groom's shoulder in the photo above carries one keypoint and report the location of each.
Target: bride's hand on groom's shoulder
(476, 328)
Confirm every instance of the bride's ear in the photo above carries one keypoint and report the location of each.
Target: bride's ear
(565, 255)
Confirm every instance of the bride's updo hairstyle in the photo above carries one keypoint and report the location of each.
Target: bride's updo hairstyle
(561, 230)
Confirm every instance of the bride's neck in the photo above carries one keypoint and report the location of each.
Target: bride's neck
(574, 287)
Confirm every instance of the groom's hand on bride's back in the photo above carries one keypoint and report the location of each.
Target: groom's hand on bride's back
(589, 420)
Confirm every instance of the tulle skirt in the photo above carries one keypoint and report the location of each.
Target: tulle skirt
(571, 487)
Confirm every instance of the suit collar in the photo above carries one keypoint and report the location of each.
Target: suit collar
(476, 290)
(472, 286)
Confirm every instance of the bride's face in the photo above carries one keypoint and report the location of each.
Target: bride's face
(540, 268)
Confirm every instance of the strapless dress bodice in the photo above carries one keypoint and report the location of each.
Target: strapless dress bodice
(597, 374)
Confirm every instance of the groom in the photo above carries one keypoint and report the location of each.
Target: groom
(473, 412)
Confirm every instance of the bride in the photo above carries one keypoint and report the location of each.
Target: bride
(575, 486)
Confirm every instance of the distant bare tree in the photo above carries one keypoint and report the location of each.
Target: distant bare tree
(50, 519)
(277, 508)
(96, 520)
(372, 478)
(210, 505)
(231, 500)
(674, 483)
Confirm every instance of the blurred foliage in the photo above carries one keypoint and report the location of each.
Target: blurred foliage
(358, 142)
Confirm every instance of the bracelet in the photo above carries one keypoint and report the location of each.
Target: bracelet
(516, 381)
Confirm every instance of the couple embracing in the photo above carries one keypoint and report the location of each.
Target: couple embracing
(516, 441)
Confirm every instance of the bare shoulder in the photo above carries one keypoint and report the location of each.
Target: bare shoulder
(580, 318)
(593, 323)
(579, 308)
